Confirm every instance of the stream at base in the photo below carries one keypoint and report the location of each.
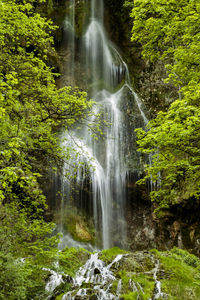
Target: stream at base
(97, 280)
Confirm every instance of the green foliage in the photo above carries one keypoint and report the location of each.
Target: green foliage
(169, 31)
(13, 278)
(31, 105)
(25, 249)
(22, 236)
(32, 109)
(21, 278)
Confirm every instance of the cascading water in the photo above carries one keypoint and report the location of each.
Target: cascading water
(105, 159)
(97, 279)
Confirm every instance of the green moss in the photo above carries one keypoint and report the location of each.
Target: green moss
(125, 281)
(189, 259)
(59, 297)
(130, 296)
(181, 284)
(114, 286)
(62, 288)
(109, 255)
(147, 284)
(143, 282)
(71, 259)
(138, 262)
(181, 279)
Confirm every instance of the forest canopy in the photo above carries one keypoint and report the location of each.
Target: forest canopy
(169, 32)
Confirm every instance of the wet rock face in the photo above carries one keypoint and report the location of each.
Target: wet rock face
(147, 77)
(141, 226)
(181, 224)
(150, 84)
(178, 227)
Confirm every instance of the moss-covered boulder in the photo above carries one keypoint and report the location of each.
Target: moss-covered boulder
(77, 224)
(71, 259)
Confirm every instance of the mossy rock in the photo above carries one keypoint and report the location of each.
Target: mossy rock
(79, 230)
(80, 227)
(138, 262)
(71, 259)
(178, 273)
(182, 276)
(82, 232)
(108, 255)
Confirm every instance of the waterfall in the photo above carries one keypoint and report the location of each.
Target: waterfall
(100, 164)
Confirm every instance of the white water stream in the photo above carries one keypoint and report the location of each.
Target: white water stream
(99, 275)
(105, 159)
